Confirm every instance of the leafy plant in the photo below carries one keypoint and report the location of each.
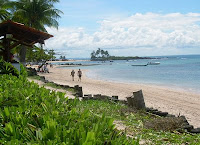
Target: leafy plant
(33, 115)
(8, 68)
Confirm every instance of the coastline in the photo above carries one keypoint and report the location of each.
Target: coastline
(153, 84)
(176, 102)
(66, 61)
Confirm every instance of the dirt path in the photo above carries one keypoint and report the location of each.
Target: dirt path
(42, 84)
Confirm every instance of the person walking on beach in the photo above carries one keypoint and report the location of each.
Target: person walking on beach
(79, 75)
(72, 74)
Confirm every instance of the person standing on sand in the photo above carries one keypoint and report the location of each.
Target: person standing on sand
(72, 74)
(79, 75)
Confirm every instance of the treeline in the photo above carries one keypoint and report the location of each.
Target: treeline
(102, 55)
(127, 57)
(99, 54)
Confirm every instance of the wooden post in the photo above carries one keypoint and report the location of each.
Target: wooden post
(79, 91)
(130, 101)
(139, 100)
(22, 54)
(7, 50)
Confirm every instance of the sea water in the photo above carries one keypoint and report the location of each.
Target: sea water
(181, 71)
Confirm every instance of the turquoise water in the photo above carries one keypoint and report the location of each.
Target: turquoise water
(173, 71)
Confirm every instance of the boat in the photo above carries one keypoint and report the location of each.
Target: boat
(153, 63)
(149, 63)
(139, 64)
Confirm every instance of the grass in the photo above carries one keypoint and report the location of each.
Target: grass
(53, 85)
(135, 123)
(60, 87)
(35, 77)
(33, 115)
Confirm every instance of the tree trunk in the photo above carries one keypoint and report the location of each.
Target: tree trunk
(22, 54)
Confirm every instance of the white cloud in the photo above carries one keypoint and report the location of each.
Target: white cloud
(143, 34)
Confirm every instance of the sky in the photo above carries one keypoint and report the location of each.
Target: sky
(126, 27)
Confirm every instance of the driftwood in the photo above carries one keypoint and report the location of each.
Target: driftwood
(79, 91)
(137, 100)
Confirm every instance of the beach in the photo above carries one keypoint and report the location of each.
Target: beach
(173, 101)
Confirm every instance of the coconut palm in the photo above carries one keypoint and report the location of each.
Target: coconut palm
(4, 14)
(36, 13)
(106, 53)
(93, 56)
(51, 53)
(98, 52)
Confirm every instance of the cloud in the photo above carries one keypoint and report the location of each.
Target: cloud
(143, 34)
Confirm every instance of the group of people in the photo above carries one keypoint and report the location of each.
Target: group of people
(79, 73)
(43, 68)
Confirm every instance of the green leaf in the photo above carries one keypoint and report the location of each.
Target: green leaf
(6, 110)
(39, 134)
(44, 107)
(9, 128)
(90, 137)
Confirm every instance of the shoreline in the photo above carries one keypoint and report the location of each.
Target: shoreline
(175, 102)
(65, 61)
(162, 85)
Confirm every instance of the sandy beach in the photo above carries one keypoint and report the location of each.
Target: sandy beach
(177, 102)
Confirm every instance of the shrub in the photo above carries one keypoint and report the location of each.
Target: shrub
(8, 68)
(33, 115)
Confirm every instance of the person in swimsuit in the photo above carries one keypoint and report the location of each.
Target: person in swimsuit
(72, 74)
(79, 75)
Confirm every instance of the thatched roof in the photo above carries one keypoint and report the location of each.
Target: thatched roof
(23, 34)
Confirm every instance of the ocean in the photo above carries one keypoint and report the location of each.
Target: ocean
(178, 72)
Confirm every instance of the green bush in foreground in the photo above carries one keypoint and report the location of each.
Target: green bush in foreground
(8, 68)
(29, 114)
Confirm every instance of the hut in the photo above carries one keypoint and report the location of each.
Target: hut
(13, 34)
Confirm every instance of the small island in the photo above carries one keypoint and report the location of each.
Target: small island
(102, 55)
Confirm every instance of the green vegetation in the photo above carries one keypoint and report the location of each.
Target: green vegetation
(36, 54)
(60, 87)
(29, 114)
(127, 57)
(63, 58)
(51, 84)
(4, 14)
(7, 68)
(36, 13)
(101, 55)
(135, 121)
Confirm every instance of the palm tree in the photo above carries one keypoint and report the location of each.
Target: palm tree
(102, 53)
(4, 14)
(106, 53)
(98, 52)
(36, 14)
(51, 53)
(93, 56)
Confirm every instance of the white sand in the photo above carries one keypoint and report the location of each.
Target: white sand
(165, 99)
